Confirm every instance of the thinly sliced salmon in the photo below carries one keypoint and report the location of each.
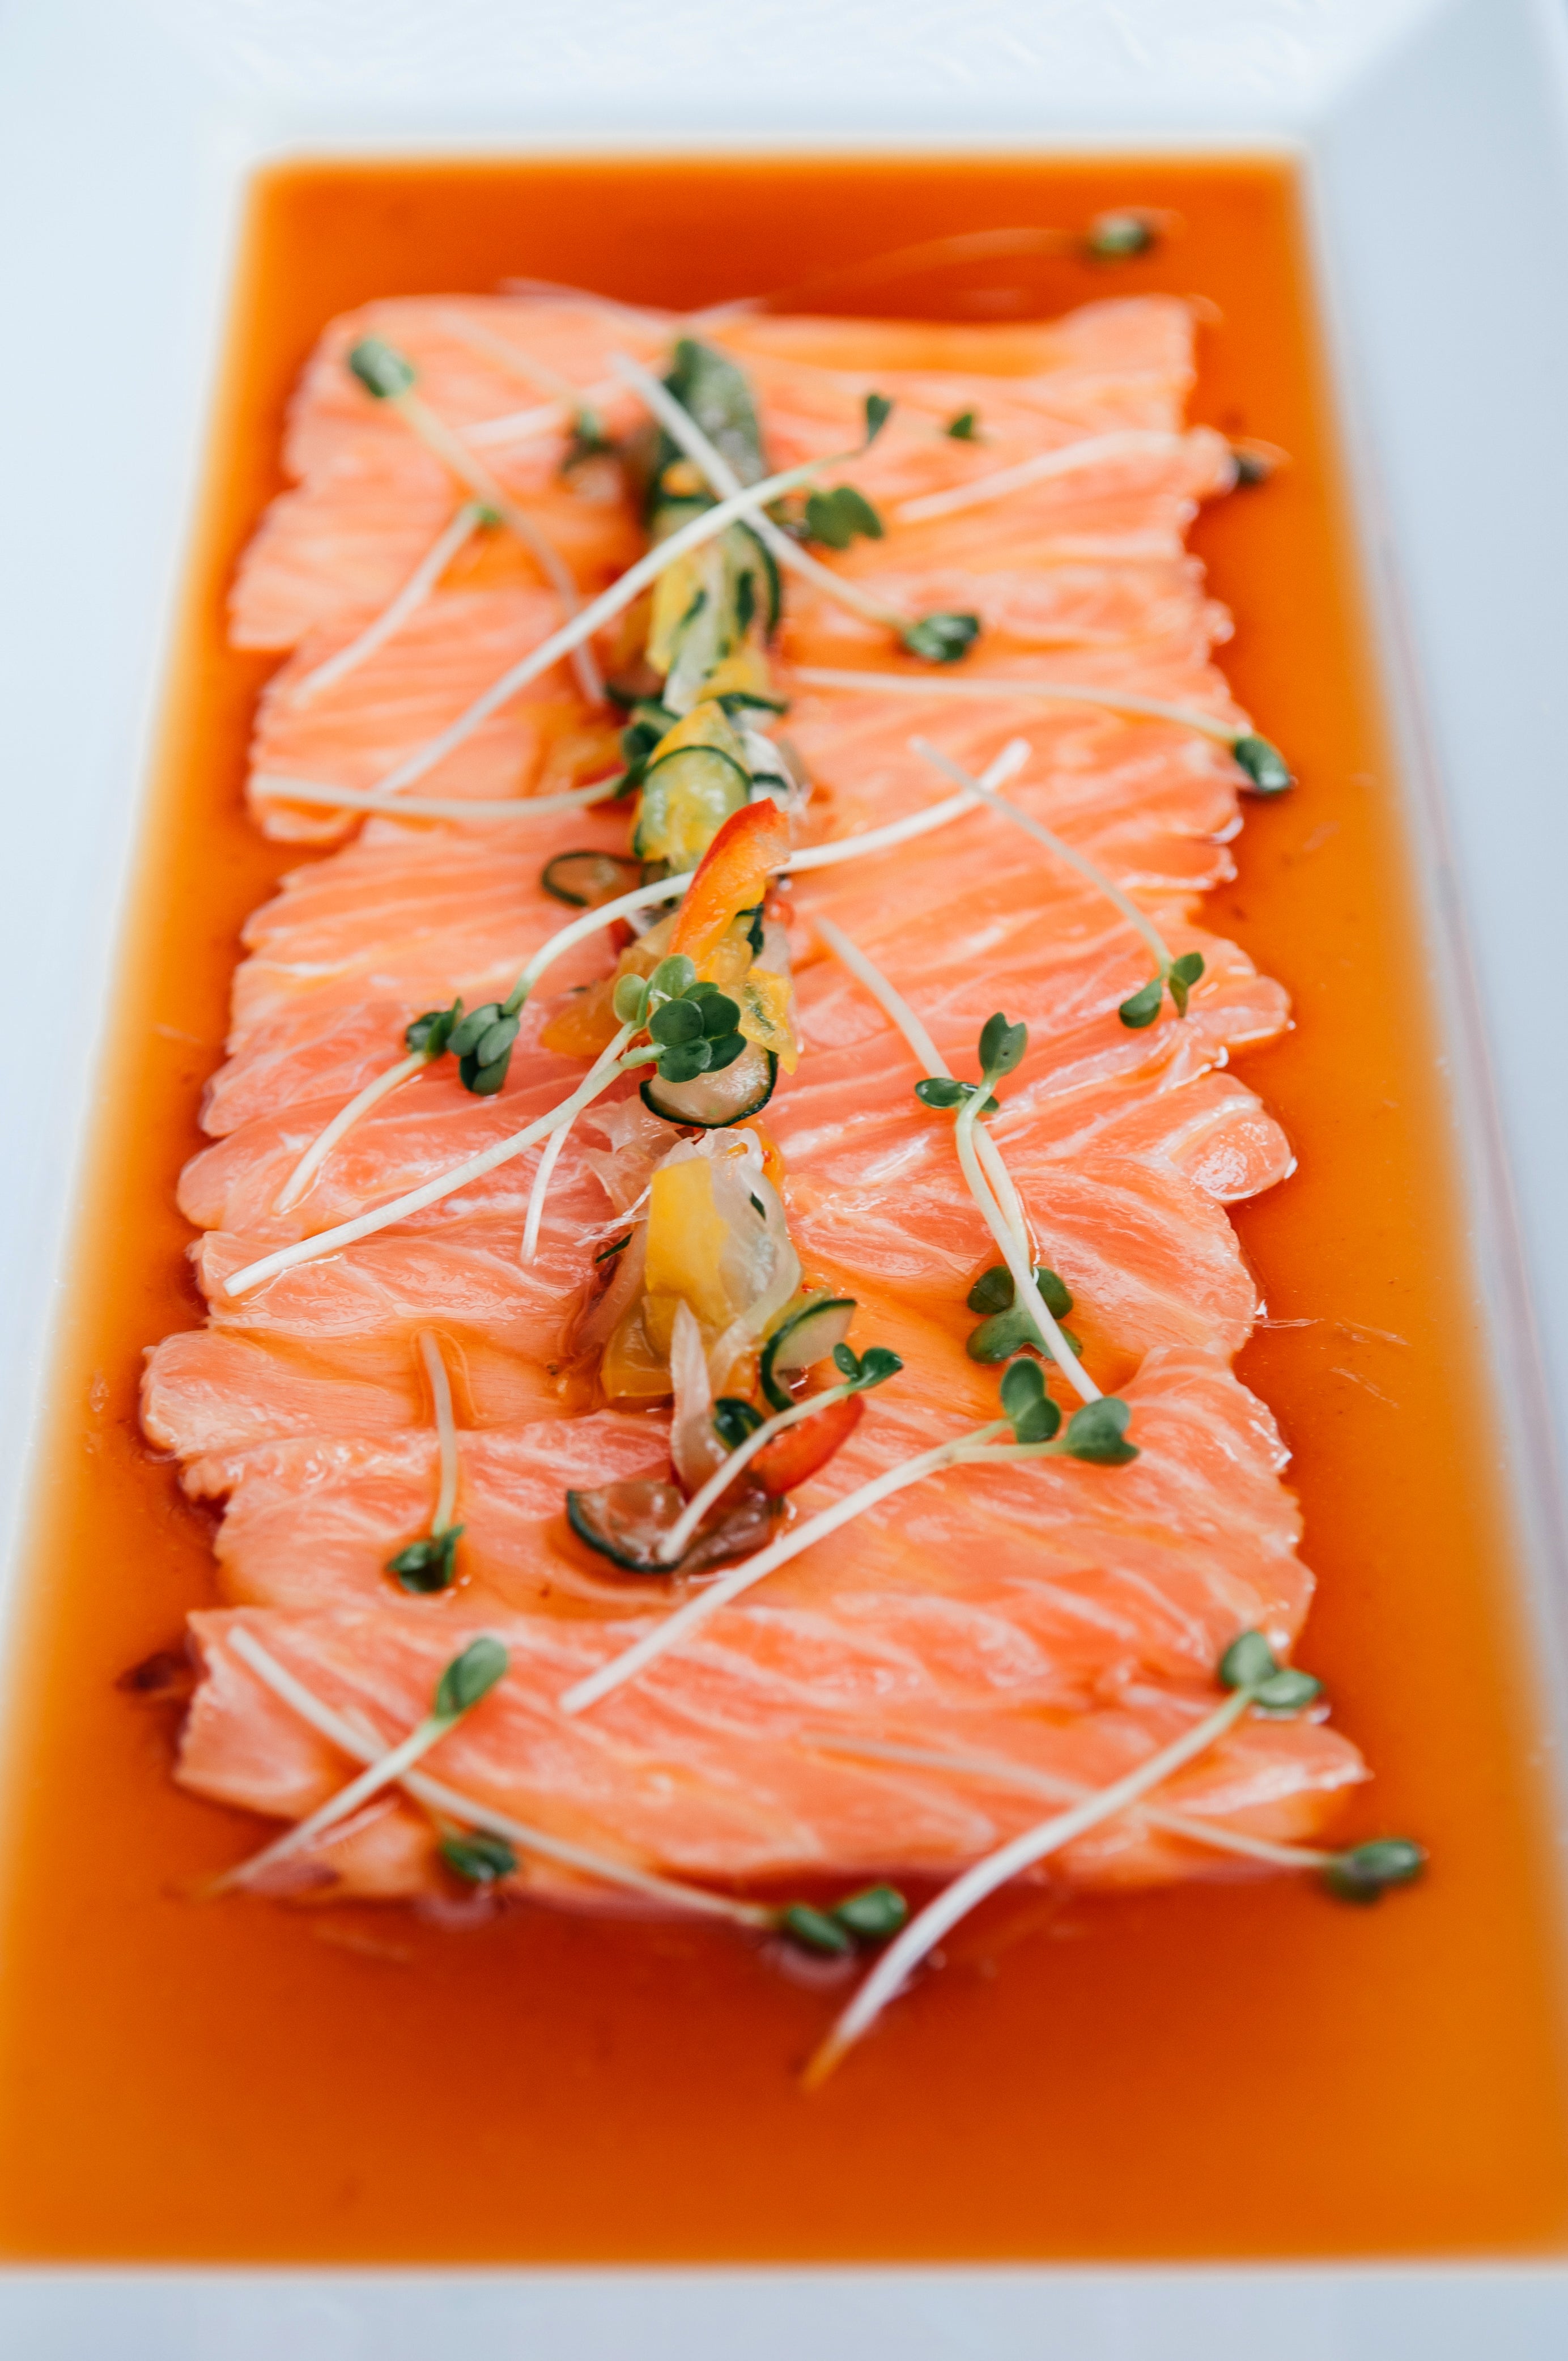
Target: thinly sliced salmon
(1062, 1616)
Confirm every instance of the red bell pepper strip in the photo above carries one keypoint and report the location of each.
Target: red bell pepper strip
(801, 1450)
(731, 876)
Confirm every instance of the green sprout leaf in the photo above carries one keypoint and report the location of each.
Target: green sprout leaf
(874, 1914)
(616, 1246)
(962, 428)
(629, 1000)
(1031, 1412)
(941, 638)
(469, 1677)
(874, 1370)
(1287, 1691)
(673, 978)
(1142, 1006)
(1248, 1660)
(427, 1566)
(815, 1931)
(1184, 973)
(686, 1061)
(381, 368)
(992, 1291)
(1009, 1332)
(1366, 1871)
(481, 1858)
(1001, 1046)
(1098, 1432)
(879, 410)
(734, 1420)
(1117, 237)
(1253, 467)
(675, 1021)
(840, 517)
(940, 1090)
(432, 1032)
(1267, 772)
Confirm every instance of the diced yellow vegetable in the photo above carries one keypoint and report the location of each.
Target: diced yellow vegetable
(632, 1370)
(764, 1015)
(744, 672)
(686, 1237)
(673, 595)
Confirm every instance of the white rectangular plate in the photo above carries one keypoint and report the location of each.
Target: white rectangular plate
(1435, 137)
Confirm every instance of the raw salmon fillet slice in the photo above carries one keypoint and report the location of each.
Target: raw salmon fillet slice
(1062, 1617)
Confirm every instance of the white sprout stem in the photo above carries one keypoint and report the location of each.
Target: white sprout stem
(463, 807)
(517, 425)
(414, 1201)
(391, 619)
(1006, 1774)
(1053, 843)
(599, 1075)
(697, 1609)
(640, 897)
(602, 610)
(683, 428)
(923, 1933)
(879, 840)
(522, 364)
(437, 1796)
(1001, 687)
(698, 1507)
(321, 1147)
(385, 1771)
(437, 436)
(445, 1430)
(1129, 442)
(979, 1160)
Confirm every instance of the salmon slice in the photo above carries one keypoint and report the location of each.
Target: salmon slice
(370, 500)
(1044, 1616)
(1063, 1616)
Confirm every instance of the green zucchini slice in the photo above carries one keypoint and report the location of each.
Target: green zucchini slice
(710, 1101)
(687, 795)
(583, 879)
(807, 1336)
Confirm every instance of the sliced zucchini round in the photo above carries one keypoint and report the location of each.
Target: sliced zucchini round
(805, 1337)
(583, 879)
(710, 1101)
(687, 794)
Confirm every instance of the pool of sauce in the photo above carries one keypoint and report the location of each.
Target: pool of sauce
(1245, 2071)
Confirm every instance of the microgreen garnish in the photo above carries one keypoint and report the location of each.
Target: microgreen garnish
(980, 1159)
(482, 1043)
(964, 427)
(942, 639)
(1265, 765)
(878, 411)
(837, 518)
(431, 1034)
(349, 1737)
(1178, 977)
(693, 1026)
(1007, 1329)
(864, 1370)
(428, 1565)
(480, 1859)
(1366, 1871)
(388, 376)
(1118, 237)
(466, 1679)
(1252, 1671)
(871, 1916)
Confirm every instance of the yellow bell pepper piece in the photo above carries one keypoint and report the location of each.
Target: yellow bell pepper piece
(764, 1014)
(686, 1237)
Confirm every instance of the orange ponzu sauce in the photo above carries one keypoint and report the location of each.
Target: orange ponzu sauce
(1247, 2070)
